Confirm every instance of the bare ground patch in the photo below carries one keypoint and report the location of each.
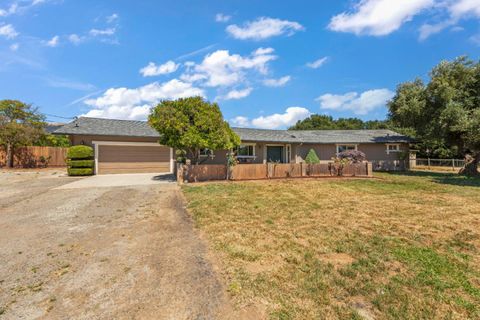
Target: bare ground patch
(104, 253)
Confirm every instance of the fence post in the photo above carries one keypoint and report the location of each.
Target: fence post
(453, 164)
(179, 173)
(428, 161)
(369, 169)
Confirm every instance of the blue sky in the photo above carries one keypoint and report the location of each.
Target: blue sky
(267, 63)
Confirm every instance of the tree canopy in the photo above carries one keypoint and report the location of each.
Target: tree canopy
(324, 122)
(444, 113)
(20, 124)
(192, 124)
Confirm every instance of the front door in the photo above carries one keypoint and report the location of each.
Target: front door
(274, 154)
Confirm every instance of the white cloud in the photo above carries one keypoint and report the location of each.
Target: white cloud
(14, 47)
(221, 68)
(240, 121)
(76, 39)
(317, 63)
(281, 120)
(53, 42)
(280, 82)
(220, 17)
(152, 69)
(125, 103)
(8, 31)
(263, 28)
(359, 104)
(236, 94)
(12, 9)
(464, 8)
(475, 39)
(20, 6)
(456, 10)
(378, 17)
(112, 18)
(104, 32)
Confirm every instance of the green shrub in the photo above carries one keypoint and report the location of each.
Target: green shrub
(312, 157)
(80, 152)
(81, 163)
(80, 171)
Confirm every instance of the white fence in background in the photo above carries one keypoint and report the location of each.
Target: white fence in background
(446, 163)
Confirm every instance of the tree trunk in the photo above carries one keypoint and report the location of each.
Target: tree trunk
(9, 156)
(471, 166)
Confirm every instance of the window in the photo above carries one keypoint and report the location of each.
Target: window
(393, 148)
(288, 153)
(246, 151)
(205, 153)
(345, 147)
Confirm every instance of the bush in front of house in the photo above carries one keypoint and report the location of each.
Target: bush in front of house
(345, 158)
(312, 157)
(80, 153)
(352, 156)
(80, 171)
(80, 161)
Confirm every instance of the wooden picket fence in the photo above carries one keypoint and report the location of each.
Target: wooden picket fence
(207, 172)
(34, 157)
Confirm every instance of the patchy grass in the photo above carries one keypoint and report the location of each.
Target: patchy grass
(402, 246)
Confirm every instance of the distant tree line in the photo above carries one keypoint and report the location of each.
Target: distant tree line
(324, 122)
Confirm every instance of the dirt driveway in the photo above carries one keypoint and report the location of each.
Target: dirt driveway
(125, 252)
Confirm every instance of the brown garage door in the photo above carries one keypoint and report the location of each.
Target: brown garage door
(133, 159)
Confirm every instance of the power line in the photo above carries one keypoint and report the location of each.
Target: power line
(61, 117)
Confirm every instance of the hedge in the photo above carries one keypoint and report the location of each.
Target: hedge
(80, 171)
(80, 152)
(81, 163)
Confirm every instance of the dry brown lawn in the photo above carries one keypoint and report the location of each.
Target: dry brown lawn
(394, 247)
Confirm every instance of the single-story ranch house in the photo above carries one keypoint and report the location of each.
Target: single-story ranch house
(125, 146)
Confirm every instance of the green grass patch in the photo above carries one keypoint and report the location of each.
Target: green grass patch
(401, 246)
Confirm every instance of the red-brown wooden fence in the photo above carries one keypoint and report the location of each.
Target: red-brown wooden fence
(31, 157)
(206, 172)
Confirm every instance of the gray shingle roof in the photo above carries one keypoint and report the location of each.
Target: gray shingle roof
(321, 136)
(110, 127)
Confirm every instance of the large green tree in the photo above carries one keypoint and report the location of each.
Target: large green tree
(444, 113)
(192, 124)
(20, 125)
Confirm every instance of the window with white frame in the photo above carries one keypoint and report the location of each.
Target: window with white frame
(393, 148)
(246, 151)
(205, 153)
(346, 147)
(288, 153)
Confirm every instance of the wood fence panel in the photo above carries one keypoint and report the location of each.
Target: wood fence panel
(30, 157)
(194, 173)
(205, 172)
(318, 170)
(249, 172)
(285, 170)
(358, 169)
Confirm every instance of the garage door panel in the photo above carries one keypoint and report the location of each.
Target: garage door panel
(133, 159)
(129, 167)
(133, 154)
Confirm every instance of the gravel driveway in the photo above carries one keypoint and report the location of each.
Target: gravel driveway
(127, 252)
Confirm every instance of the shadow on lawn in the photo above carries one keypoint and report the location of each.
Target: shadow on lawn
(443, 178)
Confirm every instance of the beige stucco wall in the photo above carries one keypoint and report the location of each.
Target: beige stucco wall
(373, 151)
